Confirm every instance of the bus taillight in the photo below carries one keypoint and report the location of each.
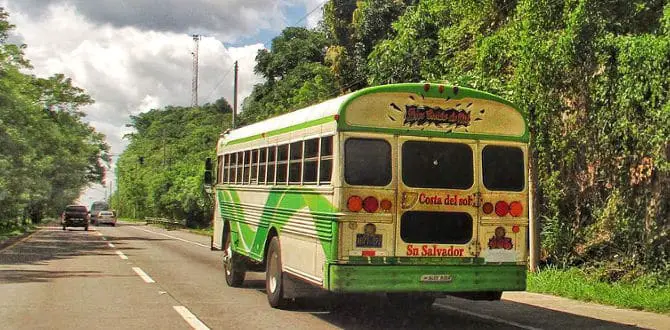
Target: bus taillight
(515, 209)
(502, 208)
(386, 204)
(370, 204)
(354, 203)
(487, 208)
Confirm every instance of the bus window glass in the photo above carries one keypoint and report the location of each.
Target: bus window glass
(262, 165)
(367, 162)
(282, 160)
(326, 160)
(247, 162)
(503, 168)
(238, 168)
(295, 164)
(326, 146)
(437, 165)
(254, 166)
(311, 161)
(271, 164)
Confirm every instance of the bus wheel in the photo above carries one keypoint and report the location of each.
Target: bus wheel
(231, 265)
(410, 302)
(493, 295)
(274, 275)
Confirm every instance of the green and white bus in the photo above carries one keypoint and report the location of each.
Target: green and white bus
(413, 190)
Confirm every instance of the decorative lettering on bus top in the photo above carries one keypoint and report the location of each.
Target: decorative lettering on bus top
(425, 115)
(449, 200)
(434, 251)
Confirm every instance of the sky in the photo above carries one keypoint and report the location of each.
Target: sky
(132, 56)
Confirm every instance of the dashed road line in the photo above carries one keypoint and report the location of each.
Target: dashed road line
(143, 275)
(173, 237)
(190, 318)
(111, 245)
(121, 255)
(487, 317)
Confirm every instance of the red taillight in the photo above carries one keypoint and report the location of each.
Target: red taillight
(515, 209)
(385, 204)
(487, 208)
(515, 229)
(354, 203)
(502, 208)
(370, 204)
(368, 253)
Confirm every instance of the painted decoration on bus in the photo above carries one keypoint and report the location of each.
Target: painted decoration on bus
(418, 112)
(453, 200)
(499, 241)
(434, 250)
(425, 115)
(369, 238)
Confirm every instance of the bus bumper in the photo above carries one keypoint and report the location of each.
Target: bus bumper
(426, 278)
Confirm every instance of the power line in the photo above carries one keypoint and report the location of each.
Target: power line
(218, 84)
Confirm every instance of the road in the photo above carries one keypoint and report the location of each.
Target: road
(135, 276)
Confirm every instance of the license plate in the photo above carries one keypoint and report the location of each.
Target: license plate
(436, 278)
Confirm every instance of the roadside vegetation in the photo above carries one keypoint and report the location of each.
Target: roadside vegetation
(645, 292)
(48, 153)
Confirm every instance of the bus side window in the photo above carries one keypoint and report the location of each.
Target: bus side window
(238, 167)
(326, 160)
(262, 165)
(282, 160)
(311, 161)
(295, 163)
(226, 167)
(272, 164)
(254, 166)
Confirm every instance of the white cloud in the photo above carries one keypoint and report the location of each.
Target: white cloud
(128, 70)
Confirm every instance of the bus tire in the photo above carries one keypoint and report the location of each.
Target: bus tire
(232, 265)
(274, 275)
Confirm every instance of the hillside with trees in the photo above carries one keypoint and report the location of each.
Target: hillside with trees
(48, 153)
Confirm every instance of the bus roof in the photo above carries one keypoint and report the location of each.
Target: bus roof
(409, 109)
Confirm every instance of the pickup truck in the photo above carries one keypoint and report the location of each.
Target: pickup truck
(75, 216)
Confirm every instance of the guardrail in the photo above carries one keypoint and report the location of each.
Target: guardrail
(169, 223)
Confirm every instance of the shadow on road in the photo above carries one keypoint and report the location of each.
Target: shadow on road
(375, 312)
(48, 244)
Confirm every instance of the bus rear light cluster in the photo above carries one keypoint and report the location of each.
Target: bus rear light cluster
(370, 204)
(501, 208)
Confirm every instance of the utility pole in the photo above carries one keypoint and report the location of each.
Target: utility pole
(235, 95)
(194, 83)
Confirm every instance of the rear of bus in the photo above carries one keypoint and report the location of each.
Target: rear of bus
(434, 193)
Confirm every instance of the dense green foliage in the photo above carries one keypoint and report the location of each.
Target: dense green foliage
(592, 75)
(161, 171)
(48, 154)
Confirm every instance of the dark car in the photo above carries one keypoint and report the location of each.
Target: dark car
(75, 216)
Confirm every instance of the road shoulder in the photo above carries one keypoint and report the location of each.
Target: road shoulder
(592, 310)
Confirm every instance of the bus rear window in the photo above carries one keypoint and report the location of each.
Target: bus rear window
(367, 162)
(437, 165)
(503, 168)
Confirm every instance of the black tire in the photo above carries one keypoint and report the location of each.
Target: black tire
(86, 228)
(113, 224)
(232, 265)
(274, 275)
(410, 303)
(63, 227)
(492, 295)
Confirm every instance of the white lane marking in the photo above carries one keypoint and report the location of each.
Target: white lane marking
(487, 317)
(190, 318)
(170, 236)
(143, 275)
(121, 255)
(99, 233)
(110, 245)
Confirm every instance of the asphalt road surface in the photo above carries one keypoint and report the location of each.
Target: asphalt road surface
(135, 276)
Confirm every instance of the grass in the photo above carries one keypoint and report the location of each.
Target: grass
(7, 232)
(574, 283)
